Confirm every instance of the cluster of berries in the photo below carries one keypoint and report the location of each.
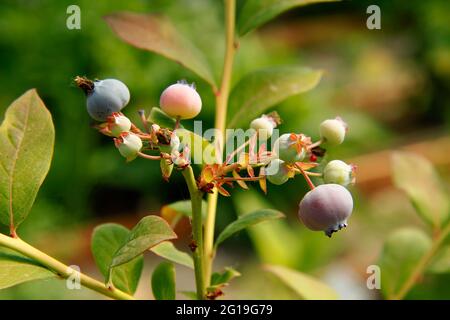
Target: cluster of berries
(326, 207)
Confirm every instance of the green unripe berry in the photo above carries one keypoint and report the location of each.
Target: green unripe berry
(338, 172)
(118, 123)
(129, 145)
(263, 126)
(333, 131)
(290, 147)
(277, 172)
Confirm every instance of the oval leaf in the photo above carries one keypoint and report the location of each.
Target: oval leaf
(257, 12)
(401, 253)
(168, 251)
(150, 231)
(16, 269)
(262, 89)
(268, 239)
(163, 282)
(174, 211)
(416, 176)
(106, 240)
(26, 147)
(223, 278)
(304, 285)
(157, 34)
(248, 220)
(441, 263)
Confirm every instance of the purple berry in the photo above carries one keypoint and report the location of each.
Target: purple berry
(327, 208)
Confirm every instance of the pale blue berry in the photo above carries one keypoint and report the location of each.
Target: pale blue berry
(326, 208)
(106, 97)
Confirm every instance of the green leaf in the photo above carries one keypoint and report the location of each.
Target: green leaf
(157, 34)
(302, 284)
(26, 149)
(223, 278)
(417, 178)
(163, 281)
(161, 118)
(269, 239)
(254, 13)
(246, 221)
(150, 231)
(441, 263)
(174, 211)
(401, 253)
(201, 150)
(106, 240)
(16, 269)
(190, 294)
(262, 89)
(168, 251)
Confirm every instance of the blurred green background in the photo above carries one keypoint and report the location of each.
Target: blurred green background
(390, 85)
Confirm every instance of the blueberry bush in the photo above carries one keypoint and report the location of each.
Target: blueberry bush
(246, 147)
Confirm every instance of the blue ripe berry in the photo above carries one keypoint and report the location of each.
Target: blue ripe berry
(326, 208)
(104, 96)
(278, 172)
(291, 147)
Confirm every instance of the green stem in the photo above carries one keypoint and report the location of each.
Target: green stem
(423, 263)
(60, 268)
(197, 231)
(222, 96)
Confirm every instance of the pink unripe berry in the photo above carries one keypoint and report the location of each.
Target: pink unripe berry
(326, 208)
(181, 100)
(333, 131)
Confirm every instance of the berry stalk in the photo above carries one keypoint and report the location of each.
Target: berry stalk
(197, 232)
(220, 123)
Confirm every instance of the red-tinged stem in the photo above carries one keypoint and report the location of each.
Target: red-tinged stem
(308, 180)
(242, 179)
(147, 156)
(315, 144)
(240, 148)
